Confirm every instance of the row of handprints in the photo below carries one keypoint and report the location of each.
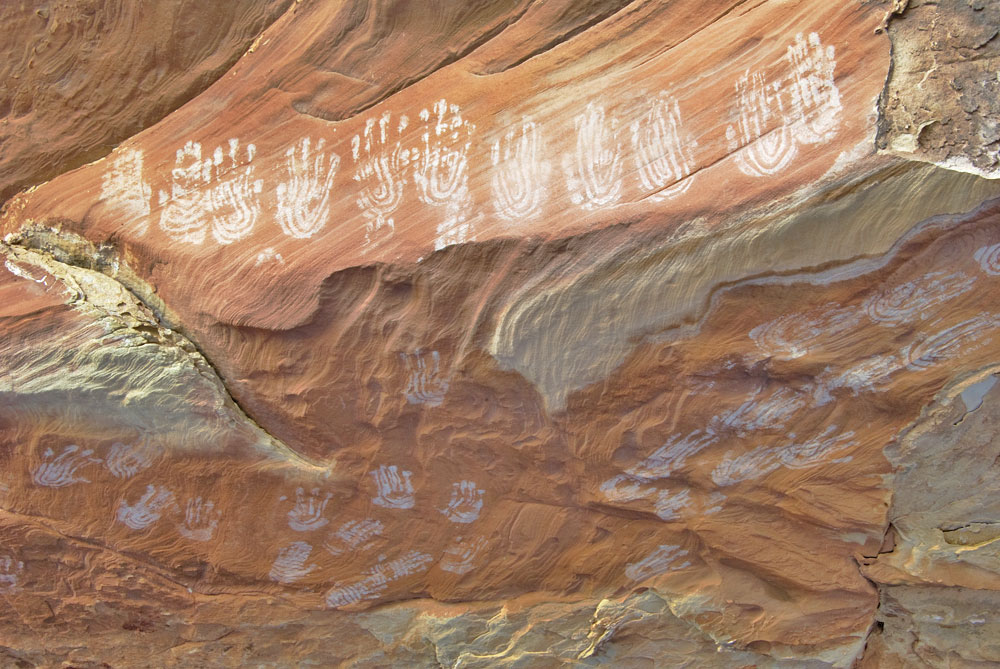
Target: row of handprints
(220, 194)
(897, 308)
(795, 335)
(200, 520)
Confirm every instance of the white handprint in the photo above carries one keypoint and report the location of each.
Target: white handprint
(345, 595)
(815, 98)
(304, 200)
(394, 490)
(58, 471)
(760, 150)
(520, 176)
(234, 198)
(594, 170)
(289, 566)
(441, 169)
(307, 514)
(661, 560)
(185, 207)
(355, 536)
(662, 151)
(380, 173)
(10, 573)
(458, 557)
(147, 510)
(123, 187)
(466, 502)
(125, 461)
(200, 520)
(668, 506)
(427, 384)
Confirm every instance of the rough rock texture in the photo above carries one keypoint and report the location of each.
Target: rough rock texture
(942, 99)
(519, 334)
(80, 76)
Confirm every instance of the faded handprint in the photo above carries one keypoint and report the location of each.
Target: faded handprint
(200, 520)
(815, 98)
(762, 142)
(662, 151)
(380, 173)
(125, 461)
(661, 560)
(378, 578)
(669, 505)
(441, 169)
(594, 170)
(147, 510)
(458, 557)
(304, 199)
(520, 175)
(10, 573)
(234, 197)
(394, 488)
(427, 384)
(185, 207)
(354, 536)
(345, 595)
(816, 450)
(625, 488)
(672, 455)
(307, 514)
(466, 502)
(124, 188)
(289, 566)
(58, 471)
(988, 258)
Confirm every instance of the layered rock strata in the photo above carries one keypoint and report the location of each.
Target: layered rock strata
(516, 334)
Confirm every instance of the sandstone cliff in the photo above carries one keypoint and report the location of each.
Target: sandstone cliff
(500, 334)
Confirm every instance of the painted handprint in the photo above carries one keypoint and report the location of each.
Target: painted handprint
(663, 559)
(458, 557)
(377, 579)
(427, 383)
(147, 510)
(354, 536)
(200, 520)
(762, 141)
(290, 566)
(394, 488)
(234, 197)
(520, 175)
(662, 150)
(10, 573)
(124, 188)
(304, 199)
(669, 505)
(125, 461)
(58, 471)
(466, 502)
(380, 173)
(307, 514)
(815, 104)
(185, 207)
(593, 170)
(441, 169)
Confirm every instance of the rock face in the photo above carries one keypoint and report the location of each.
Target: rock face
(508, 334)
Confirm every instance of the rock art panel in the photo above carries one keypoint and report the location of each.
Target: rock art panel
(594, 169)
(325, 396)
(303, 205)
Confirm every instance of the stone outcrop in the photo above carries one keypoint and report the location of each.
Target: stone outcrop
(511, 334)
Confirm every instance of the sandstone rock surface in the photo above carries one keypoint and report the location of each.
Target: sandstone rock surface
(508, 334)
